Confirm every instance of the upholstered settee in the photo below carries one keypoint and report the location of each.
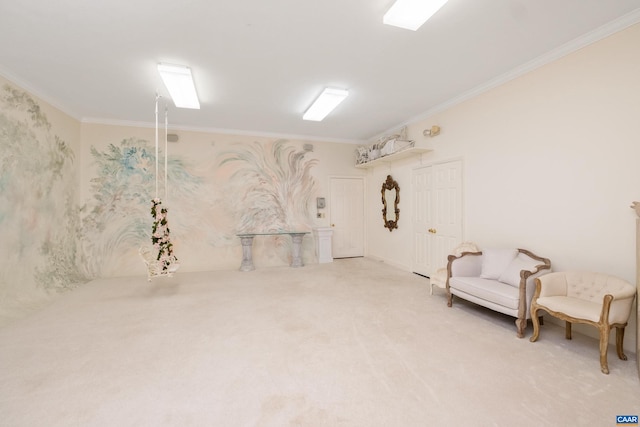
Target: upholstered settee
(596, 299)
(499, 279)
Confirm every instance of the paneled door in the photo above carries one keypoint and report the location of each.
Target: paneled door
(346, 210)
(422, 186)
(437, 215)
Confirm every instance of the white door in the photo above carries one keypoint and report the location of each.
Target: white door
(346, 210)
(437, 216)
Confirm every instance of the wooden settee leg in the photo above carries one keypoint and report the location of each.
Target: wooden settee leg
(521, 324)
(567, 330)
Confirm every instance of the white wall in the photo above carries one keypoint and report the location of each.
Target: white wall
(394, 247)
(550, 163)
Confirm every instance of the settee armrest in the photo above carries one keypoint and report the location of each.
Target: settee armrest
(467, 264)
(528, 275)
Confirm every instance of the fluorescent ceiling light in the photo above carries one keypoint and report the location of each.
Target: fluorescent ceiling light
(325, 103)
(179, 83)
(411, 14)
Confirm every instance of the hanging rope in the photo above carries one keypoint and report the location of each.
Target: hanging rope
(157, 98)
(166, 152)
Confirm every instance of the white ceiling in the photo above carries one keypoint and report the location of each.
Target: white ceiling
(258, 64)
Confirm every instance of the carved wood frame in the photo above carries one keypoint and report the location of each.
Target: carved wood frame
(603, 325)
(390, 184)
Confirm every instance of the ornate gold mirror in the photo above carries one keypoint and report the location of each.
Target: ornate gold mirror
(390, 191)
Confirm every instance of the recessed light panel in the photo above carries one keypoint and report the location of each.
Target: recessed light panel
(325, 103)
(411, 14)
(179, 83)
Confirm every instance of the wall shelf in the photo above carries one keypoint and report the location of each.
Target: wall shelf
(409, 152)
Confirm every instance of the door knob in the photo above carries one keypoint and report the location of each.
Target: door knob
(333, 225)
(432, 230)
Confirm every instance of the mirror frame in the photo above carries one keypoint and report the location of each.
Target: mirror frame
(390, 184)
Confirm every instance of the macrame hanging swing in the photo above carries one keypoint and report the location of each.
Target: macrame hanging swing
(160, 260)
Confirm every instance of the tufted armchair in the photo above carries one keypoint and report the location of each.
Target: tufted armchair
(583, 297)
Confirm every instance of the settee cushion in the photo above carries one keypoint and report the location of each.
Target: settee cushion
(511, 275)
(487, 289)
(495, 261)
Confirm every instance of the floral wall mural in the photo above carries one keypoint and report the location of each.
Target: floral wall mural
(116, 220)
(38, 215)
(249, 187)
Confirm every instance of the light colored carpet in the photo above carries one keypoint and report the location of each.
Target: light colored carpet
(351, 343)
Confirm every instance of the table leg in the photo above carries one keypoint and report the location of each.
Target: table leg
(247, 258)
(296, 255)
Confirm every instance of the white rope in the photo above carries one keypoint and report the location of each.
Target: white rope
(166, 151)
(157, 97)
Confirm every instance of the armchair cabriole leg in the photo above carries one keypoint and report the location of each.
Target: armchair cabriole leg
(604, 345)
(605, 329)
(620, 342)
(535, 320)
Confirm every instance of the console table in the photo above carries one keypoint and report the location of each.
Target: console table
(247, 242)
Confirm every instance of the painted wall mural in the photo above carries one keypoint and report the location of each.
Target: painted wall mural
(38, 215)
(254, 187)
(271, 189)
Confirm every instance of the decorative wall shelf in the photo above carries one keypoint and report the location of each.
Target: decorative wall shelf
(409, 152)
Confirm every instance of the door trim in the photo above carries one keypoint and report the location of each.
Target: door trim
(462, 196)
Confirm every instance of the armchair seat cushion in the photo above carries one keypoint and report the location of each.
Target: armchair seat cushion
(488, 290)
(574, 307)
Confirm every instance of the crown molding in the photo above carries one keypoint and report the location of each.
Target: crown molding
(22, 84)
(222, 131)
(578, 43)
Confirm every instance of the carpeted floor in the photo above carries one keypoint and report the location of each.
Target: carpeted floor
(350, 343)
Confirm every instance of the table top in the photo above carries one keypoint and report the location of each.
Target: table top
(271, 233)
